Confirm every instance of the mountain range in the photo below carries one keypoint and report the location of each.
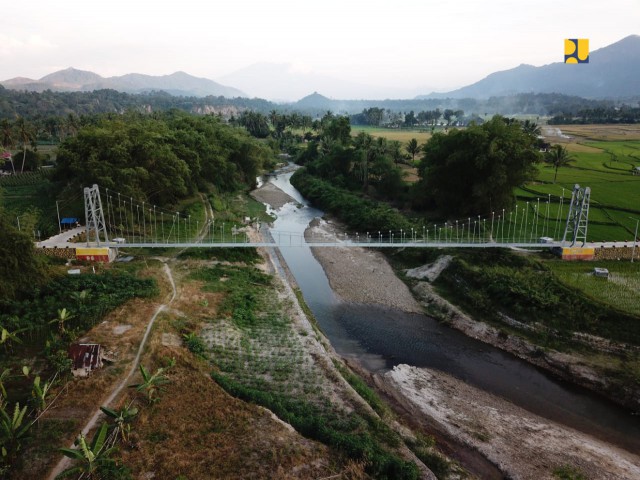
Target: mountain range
(613, 72)
(71, 79)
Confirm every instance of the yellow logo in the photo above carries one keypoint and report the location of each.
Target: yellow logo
(576, 50)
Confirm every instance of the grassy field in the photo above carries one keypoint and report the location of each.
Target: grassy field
(621, 290)
(602, 132)
(402, 135)
(604, 157)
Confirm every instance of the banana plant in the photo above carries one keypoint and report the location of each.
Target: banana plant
(7, 337)
(151, 384)
(90, 457)
(3, 376)
(12, 432)
(121, 420)
(39, 393)
(81, 296)
(63, 316)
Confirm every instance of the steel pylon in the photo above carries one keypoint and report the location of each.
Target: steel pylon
(578, 218)
(94, 215)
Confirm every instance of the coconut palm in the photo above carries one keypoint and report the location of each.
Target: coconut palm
(26, 136)
(395, 151)
(413, 148)
(531, 128)
(7, 140)
(558, 156)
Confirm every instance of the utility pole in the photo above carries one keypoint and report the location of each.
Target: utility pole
(59, 224)
(635, 239)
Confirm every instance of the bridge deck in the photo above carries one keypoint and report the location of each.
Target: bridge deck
(298, 243)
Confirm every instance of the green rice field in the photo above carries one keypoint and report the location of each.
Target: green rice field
(621, 290)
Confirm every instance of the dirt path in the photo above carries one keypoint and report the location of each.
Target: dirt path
(97, 415)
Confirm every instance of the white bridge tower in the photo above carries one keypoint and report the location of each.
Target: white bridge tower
(578, 218)
(94, 215)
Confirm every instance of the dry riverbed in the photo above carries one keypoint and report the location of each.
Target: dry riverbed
(360, 275)
(523, 445)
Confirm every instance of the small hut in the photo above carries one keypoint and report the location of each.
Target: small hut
(85, 358)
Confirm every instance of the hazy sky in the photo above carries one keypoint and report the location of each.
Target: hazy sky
(406, 45)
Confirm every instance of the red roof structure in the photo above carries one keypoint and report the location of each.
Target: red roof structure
(85, 357)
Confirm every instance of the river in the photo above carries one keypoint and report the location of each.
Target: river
(396, 337)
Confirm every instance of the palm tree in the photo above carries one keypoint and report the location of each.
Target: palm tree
(413, 148)
(531, 128)
(558, 156)
(7, 139)
(395, 151)
(63, 316)
(91, 457)
(26, 136)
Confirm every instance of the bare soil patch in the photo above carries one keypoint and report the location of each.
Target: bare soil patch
(197, 430)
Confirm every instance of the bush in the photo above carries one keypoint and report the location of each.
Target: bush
(359, 213)
(195, 344)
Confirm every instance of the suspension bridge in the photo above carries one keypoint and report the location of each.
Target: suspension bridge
(116, 220)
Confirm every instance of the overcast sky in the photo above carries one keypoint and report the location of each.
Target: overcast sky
(405, 45)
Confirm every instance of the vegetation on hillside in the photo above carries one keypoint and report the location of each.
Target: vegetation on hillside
(20, 268)
(160, 159)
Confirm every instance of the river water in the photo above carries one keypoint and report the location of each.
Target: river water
(381, 338)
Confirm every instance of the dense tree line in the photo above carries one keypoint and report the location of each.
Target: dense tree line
(601, 115)
(376, 116)
(41, 105)
(463, 172)
(161, 158)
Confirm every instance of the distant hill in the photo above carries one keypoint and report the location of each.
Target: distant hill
(612, 72)
(71, 79)
(285, 82)
(315, 101)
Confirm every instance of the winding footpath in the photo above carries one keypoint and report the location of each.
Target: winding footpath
(97, 415)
